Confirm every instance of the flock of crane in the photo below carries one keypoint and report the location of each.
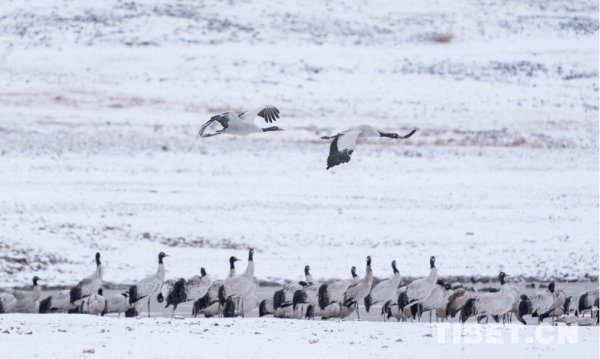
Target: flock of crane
(243, 124)
(236, 296)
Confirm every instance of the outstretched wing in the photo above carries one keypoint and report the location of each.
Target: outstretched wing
(222, 119)
(341, 148)
(408, 134)
(269, 113)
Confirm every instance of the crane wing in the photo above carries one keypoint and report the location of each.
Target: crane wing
(342, 147)
(222, 119)
(269, 113)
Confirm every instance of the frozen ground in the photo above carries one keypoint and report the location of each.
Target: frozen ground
(75, 336)
(100, 105)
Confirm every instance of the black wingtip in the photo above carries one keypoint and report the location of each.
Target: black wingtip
(468, 310)
(74, 294)
(229, 309)
(368, 302)
(262, 308)
(44, 307)
(335, 159)
(409, 134)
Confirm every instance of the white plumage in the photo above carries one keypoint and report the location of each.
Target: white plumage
(544, 303)
(438, 299)
(150, 285)
(330, 297)
(343, 143)
(7, 302)
(314, 299)
(357, 292)
(166, 288)
(211, 304)
(309, 295)
(559, 307)
(94, 304)
(27, 301)
(456, 301)
(88, 285)
(241, 289)
(385, 291)
(197, 286)
(418, 290)
(283, 299)
(586, 301)
(241, 124)
(118, 303)
(495, 304)
(180, 290)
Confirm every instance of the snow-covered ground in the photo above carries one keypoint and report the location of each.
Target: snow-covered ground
(100, 104)
(76, 336)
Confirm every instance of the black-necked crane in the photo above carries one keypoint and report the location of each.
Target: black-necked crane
(495, 304)
(213, 302)
(323, 299)
(418, 290)
(150, 285)
(457, 301)
(197, 286)
(88, 285)
(559, 308)
(586, 302)
(357, 292)
(385, 292)
(540, 302)
(240, 290)
(343, 143)
(282, 304)
(27, 301)
(242, 124)
(184, 290)
(544, 303)
(331, 298)
(438, 299)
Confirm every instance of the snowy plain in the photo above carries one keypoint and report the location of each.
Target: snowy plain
(101, 104)
(23, 336)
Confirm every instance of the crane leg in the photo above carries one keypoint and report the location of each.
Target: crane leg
(148, 306)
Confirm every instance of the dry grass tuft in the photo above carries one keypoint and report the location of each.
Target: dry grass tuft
(442, 38)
